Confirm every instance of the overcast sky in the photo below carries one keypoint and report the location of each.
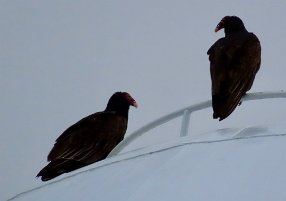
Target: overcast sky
(62, 60)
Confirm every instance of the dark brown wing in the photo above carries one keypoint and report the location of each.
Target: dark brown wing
(91, 139)
(234, 64)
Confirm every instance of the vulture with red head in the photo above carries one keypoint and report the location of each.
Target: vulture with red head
(91, 139)
(234, 62)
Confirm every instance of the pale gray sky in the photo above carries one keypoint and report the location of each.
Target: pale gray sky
(62, 60)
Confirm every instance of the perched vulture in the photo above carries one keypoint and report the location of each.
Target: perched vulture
(234, 62)
(91, 139)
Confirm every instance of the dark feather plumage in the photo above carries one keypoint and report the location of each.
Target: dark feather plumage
(234, 61)
(91, 139)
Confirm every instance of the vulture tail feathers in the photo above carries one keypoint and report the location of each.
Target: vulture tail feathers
(58, 167)
(223, 106)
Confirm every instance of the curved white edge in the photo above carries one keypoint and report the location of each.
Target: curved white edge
(184, 141)
(190, 109)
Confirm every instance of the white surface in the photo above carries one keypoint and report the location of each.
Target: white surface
(184, 114)
(229, 164)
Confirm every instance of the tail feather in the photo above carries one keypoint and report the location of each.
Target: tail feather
(58, 167)
(223, 106)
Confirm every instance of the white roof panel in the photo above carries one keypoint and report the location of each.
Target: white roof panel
(229, 164)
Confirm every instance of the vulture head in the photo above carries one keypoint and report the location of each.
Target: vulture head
(230, 24)
(120, 102)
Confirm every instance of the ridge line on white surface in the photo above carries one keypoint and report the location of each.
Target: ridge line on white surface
(156, 149)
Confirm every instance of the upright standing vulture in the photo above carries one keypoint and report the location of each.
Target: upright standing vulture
(234, 62)
(91, 139)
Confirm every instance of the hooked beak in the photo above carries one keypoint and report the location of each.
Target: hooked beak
(217, 29)
(134, 104)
